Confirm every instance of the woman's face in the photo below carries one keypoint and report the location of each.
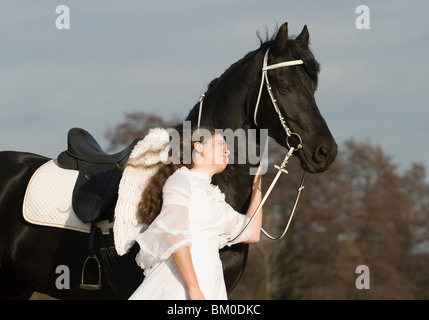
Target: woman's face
(214, 152)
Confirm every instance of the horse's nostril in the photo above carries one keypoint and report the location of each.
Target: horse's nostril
(321, 154)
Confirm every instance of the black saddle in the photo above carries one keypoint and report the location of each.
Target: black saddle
(99, 173)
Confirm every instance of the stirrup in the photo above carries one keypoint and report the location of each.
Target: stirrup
(88, 286)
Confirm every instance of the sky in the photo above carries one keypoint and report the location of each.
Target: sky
(159, 56)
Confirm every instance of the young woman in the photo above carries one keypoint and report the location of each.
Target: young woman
(188, 222)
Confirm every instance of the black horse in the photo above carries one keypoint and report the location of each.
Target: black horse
(30, 254)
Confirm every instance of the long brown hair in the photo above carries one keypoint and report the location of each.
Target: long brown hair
(151, 199)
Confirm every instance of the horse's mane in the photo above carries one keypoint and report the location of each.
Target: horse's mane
(295, 49)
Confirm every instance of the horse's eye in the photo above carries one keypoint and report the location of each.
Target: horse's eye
(284, 88)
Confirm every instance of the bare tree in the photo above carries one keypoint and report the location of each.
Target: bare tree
(135, 125)
(360, 212)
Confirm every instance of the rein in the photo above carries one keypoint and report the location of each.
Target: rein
(281, 169)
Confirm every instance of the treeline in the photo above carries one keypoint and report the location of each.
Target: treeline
(362, 211)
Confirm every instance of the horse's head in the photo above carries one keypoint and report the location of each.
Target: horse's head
(293, 88)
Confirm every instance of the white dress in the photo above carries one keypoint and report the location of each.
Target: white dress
(195, 214)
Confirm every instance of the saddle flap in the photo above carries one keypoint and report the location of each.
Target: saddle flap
(95, 190)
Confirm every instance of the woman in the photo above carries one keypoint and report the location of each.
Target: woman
(179, 251)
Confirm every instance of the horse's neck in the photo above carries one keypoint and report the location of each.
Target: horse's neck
(226, 104)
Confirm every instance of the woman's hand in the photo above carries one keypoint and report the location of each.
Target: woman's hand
(254, 203)
(195, 293)
(184, 264)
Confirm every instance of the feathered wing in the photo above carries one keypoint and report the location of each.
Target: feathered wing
(126, 226)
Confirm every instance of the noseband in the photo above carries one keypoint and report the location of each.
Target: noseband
(289, 134)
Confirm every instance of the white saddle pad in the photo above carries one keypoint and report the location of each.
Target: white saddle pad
(48, 200)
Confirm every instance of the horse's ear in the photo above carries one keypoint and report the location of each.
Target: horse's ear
(281, 39)
(304, 36)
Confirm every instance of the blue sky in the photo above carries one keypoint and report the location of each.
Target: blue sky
(159, 56)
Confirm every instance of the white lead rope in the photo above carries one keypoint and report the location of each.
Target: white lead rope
(301, 187)
(280, 169)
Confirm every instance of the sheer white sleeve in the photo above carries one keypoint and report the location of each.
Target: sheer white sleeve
(236, 223)
(170, 231)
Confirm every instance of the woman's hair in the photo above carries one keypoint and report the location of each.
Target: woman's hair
(151, 199)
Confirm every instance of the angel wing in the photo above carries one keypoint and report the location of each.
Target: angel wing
(126, 225)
